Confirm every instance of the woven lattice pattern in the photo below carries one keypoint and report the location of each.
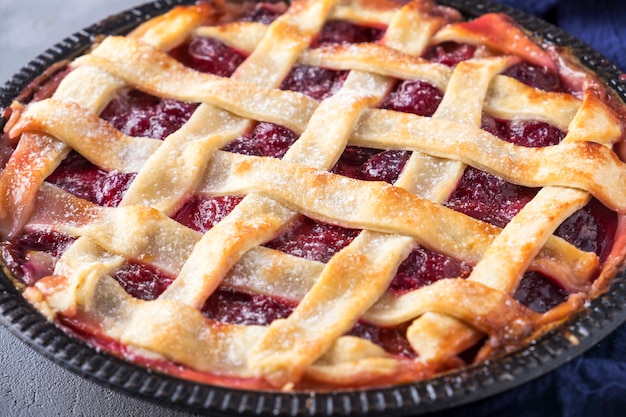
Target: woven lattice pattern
(311, 343)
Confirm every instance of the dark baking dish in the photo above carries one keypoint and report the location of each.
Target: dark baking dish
(564, 343)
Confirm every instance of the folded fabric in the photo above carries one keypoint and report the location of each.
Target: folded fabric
(599, 23)
(593, 384)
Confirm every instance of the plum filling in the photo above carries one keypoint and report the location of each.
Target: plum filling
(478, 194)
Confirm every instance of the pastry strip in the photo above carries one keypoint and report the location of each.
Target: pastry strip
(161, 75)
(272, 360)
(519, 241)
(92, 88)
(303, 336)
(585, 165)
(202, 275)
(581, 165)
(261, 270)
(235, 240)
(225, 344)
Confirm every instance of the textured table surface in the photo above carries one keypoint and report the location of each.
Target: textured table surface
(31, 385)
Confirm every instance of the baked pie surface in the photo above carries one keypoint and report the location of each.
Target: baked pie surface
(313, 342)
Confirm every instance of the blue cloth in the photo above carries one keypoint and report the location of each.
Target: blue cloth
(599, 23)
(591, 385)
(594, 384)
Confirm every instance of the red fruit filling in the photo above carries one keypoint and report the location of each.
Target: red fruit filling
(449, 53)
(136, 114)
(315, 82)
(142, 281)
(248, 309)
(529, 133)
(342, 32)
(352, 160)
(314, 241)
(392, 340)
(478, 194)
(266, 139)
(371, 164)
(202, 213)
(264, 13)
(320, 83)
(423, 267)
(142, 115)
(417, 97)
(31, 256)
(534, 76)
(539, 292)
(590, 229)
(80, 177)
(488, 198)
(209, 55)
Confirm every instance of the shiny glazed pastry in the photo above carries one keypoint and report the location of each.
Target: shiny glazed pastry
(327, 194)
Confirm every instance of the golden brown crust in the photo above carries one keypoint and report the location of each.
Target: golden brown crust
(310, 345)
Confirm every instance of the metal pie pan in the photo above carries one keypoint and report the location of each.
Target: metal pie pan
(572, 338)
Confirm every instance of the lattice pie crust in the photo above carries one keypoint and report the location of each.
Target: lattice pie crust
(310, 346)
